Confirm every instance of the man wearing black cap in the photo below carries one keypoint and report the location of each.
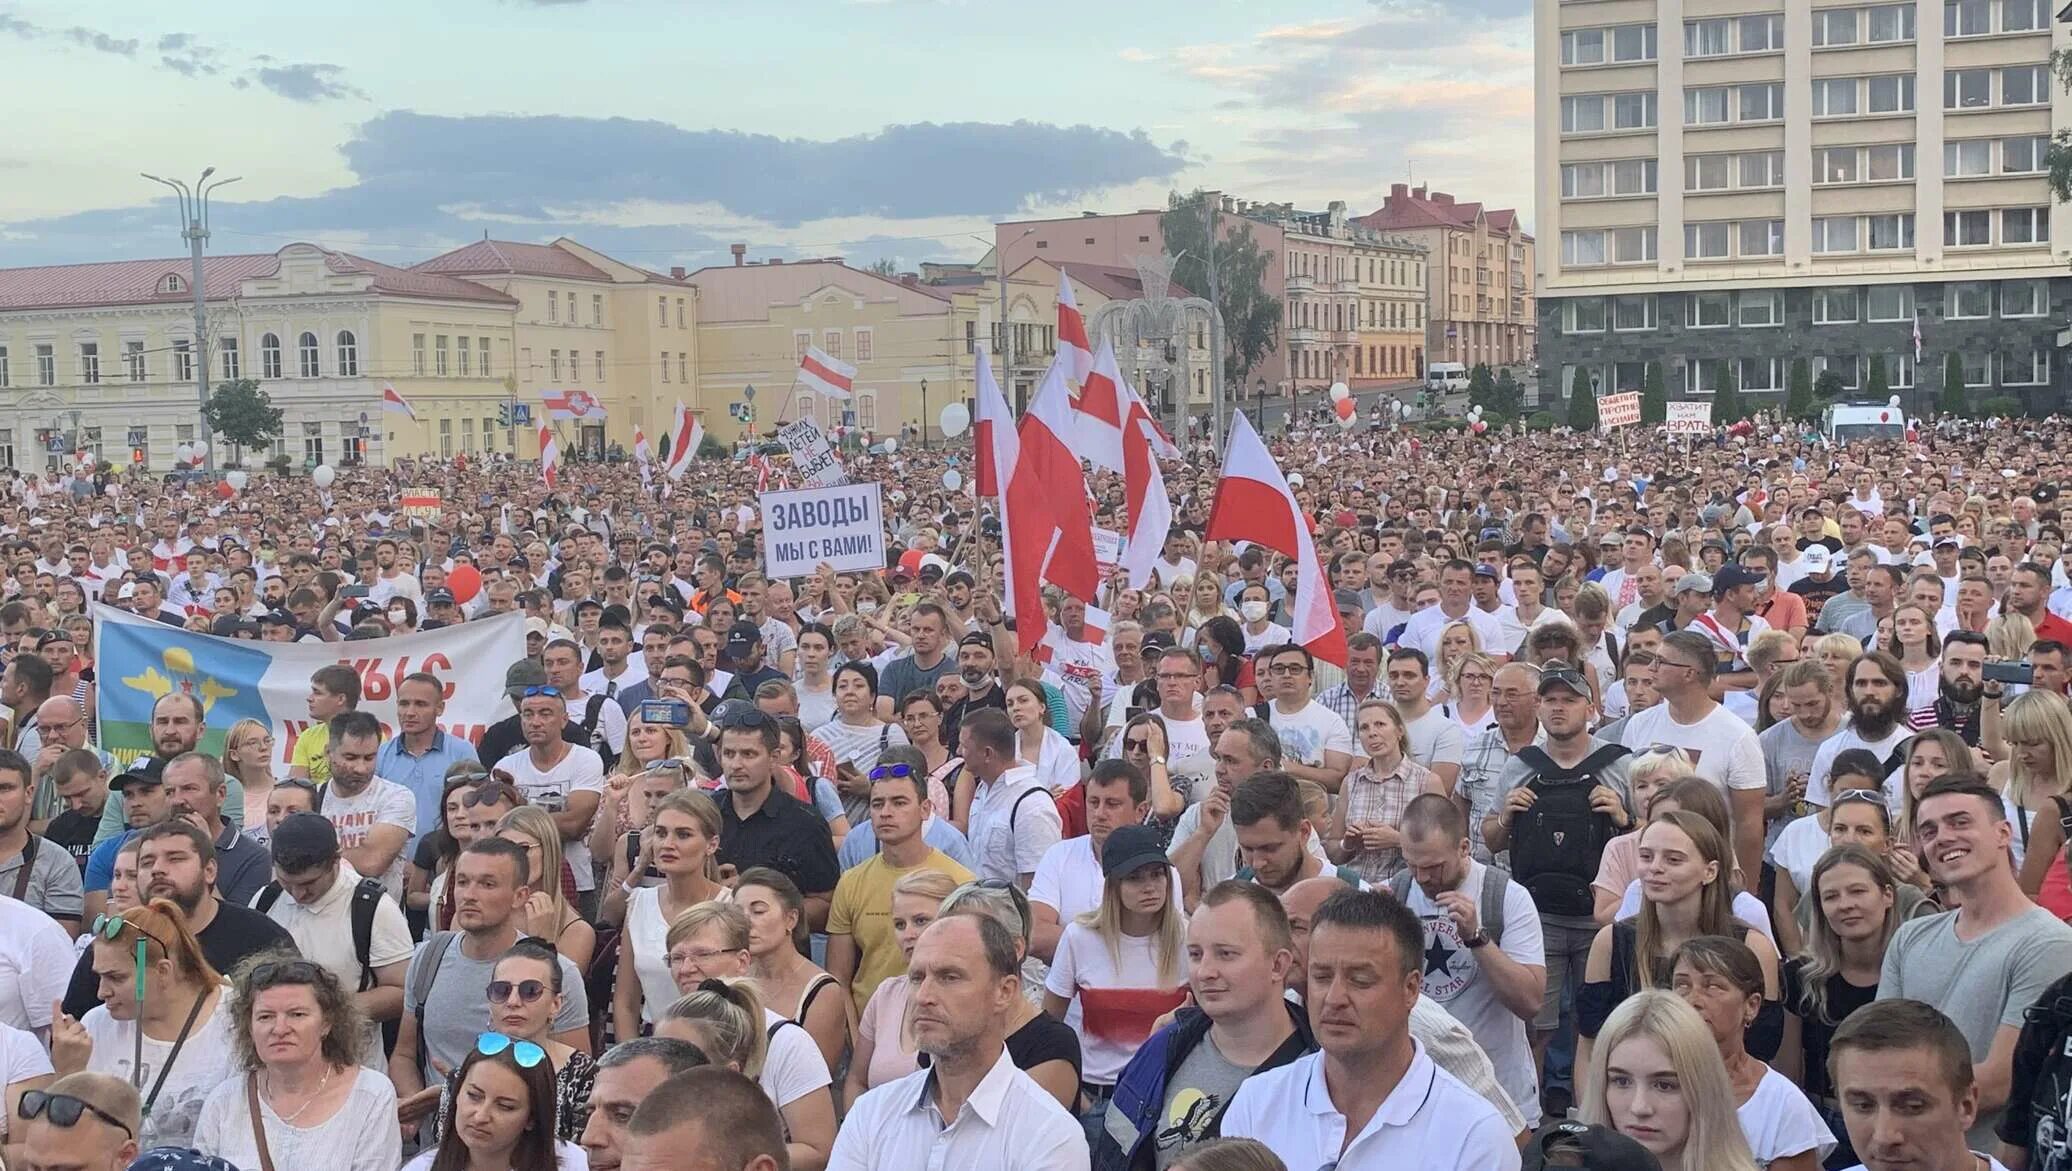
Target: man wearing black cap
(441, 610)
(338, 919)
(744, 649)
(506, 736)
(976, 666)
(1731, 625)
(1590, 1148)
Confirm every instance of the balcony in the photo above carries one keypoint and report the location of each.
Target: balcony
(1301, 284)
(1303, 335)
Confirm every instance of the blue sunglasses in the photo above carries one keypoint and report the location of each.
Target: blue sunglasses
(525, 1053)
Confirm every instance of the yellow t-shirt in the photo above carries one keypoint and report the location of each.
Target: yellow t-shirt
(313, 752)
(862, 910)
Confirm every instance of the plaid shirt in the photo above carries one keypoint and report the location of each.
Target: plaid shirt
(1370, 798)
(1341, 700)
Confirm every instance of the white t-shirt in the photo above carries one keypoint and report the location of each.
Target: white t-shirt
(1453, 978)
(793, 1067)
(1747, 908)
(36, 959)
(1170, 574)
(1068, 880)
(1722, 747)
(1115, 999)
(1824, 756)
(1797, 849)
(1436, 738)
(1273, 635)
(205, 1061)
(21, 1058)
(1308, 734)
(382, 802)
(362, 1136)
(323, 934)
(1424, 627)
(1075, 664)
(1779, 1122)
(581, 771)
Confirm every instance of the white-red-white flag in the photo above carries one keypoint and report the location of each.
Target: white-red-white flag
(1144, 492)
(829, 375)
(1046, 522)
(993, 440)
(1074, 352)
(1254, 503)
(686, 433)
(392, 400)
(1097, 416)
(643, 455)
(550, 457)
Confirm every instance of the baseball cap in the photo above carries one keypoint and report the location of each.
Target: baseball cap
(1694, 581)
(173, 1158)
(1731, 576)
(1485, 570)
(128, 590)
(1560, 673)
(744, 635)
(1601, 1148)
(1128, 848)
(536, 625)
(981, 638)
(1815, 558)
(524, 673)
(1159, 640)
(147, 770)
(276, 618)
(1948, 541)
(303, 840)
(440, 597)
(931, 561)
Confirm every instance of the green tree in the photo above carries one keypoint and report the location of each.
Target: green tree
(1828, 387)
(242, 413)
(1951, 401)
(1654, 398)
(1482, 387)
(1726, 399)
(885, 266)
(1582, 402)
(1510, 396)
(1799, 403)
(1251, 317)
(1880, 383)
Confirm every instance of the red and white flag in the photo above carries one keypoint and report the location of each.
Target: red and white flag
(828, 375)
(572, 406)
(550, 457)
(1144, 492)
(643, 455)
(1047, 525)
(993, 441)
(1097, 419)
(1254, 503)
(686, 434)
(393, 400)
(1074, 352)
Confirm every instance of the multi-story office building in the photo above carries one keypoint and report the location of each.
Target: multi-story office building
(1727, 185)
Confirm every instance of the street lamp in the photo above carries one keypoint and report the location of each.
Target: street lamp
(194, 223)
(1260, 388)
(924, 412)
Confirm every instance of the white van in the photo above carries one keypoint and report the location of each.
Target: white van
(1447, 377)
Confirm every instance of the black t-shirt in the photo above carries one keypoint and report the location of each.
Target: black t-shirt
(1816, 593)
(1843, 998)
(75, 832)
(786, 835)
(1043, 1038)
(234, 935)
(2039, 1111)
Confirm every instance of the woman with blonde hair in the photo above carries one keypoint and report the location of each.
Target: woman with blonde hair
(1364, 834)
(546, 913)
(2034, 781)
(248, 762)
(885, 1048)
(1652, 771)
(1916, 645)
(1657, 1078)
(1456, 641)
(682, 844)
(2009, 637)
(1471, 680)
(1204, 601)
(1722, 979)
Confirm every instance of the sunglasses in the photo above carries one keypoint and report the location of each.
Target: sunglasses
(529, 991)
(747, 718)
(526, 1053)
(895, 771)
(64, 1110)
(490, 793)
(284, 971)
(547, 690)
(109, 927)
(1871, 795)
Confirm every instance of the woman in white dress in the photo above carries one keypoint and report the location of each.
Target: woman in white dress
(297, 1085)
(1036, 742)
(681, 843)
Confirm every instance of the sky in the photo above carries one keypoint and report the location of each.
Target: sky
(662, 132)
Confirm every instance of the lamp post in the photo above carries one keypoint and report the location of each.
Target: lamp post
(194, 221)
(924, 413)
(1259, 389)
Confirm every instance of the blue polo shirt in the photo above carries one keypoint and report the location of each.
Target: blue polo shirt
(424, 775)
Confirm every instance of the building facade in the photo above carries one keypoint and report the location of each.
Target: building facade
(1479, 290)
(1355, 311)
(1732, 186)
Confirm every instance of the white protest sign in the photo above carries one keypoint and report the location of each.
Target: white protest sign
(1107, 550)
(1618, 410)
(812, 458)
(843, 526)
(1692, 418)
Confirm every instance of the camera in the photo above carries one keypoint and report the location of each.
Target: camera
(667, 713)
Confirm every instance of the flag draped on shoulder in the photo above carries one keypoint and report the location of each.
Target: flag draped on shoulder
(1254, 503)
(829, 375)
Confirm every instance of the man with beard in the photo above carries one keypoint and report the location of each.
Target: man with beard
(176, 727)
(1876, 690)
(1789, 746)
(1958, 691)
(975, 663)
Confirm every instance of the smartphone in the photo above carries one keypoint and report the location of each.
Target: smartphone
(2022, 672)
(355, 591)
(667, 713)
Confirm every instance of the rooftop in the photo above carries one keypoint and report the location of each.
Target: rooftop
(144, 282)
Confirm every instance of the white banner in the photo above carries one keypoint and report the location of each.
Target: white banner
(812, 458)
(843, 526)
(140, 660)
(1618, 410)
(1107, 550)
(1691, 418)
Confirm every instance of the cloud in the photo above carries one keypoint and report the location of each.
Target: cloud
(185, 55)
(95, 39)
(305, 82)
(424, 182)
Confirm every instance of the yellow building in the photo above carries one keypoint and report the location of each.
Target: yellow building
(102, 357)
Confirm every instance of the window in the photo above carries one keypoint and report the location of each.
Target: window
(1762, 374)
(446, 437)
(2024, 15)
(831, 342)
(866, 344)
(1968, 157)
(1583, 180)
(1762, 309)
(183, 361)
(2025, 225)
(1902, 367)
(1835, 164)
(683, 366)
(1834, 26)
(1761, 33)
(1707, 172)
(1889, 303)
(2024, 85)
(1833, 96)
(1706, 241)
(1891, 22)
(1834, 233)
(665, 365)
(482, 349)
(306, 348)
(2026, 369)
(554, 365)
(416, 354)
(525, 363)
(90, 362)
(1584, 315)
(1967, 229)
(803, 341)
(313, 443)
(1889, 163)
(1583, 247)
(1633, 313)
(1892, 94)
(1761, 103)
(132, 361)
(1633, 111)
(1890, 231)
(2024, 298)
(662, 312)
(1706, 375)
(1847, 369)
(172, 284)
(1978, 369)
(1583, 46)
(349, 355)
(1762, 237)
(1967, 88)
(553, 306)
(596, 309)
(1967, 18)
(439, 356)
(866, 410)
(600, 366)
(680, 314)
(1633, 42)
(467, 434)
(1834, 306)
(1763, 168)
(1633, 245)
(1709, 310)
(463, 356)
(1708, 38)
(1970, 300)
(2024, 154)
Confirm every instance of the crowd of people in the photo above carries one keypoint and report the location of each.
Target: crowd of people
(1694, 803)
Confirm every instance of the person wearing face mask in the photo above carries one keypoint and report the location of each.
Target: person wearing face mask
(976, 667)
(1255, 610)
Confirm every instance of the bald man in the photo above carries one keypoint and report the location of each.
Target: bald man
(80, 1122)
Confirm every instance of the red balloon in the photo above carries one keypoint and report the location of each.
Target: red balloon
(1344, 408)
(224, 490)
(465, 581)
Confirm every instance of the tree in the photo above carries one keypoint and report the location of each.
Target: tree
(1482, 387)
(1828, 387)
(1726, 399)
(240, 412)
(1251, 318)
(1951, 402)
(885, 266)
(1880, 383)
(1582, 402)
(1510, 397)
(1799, 404)
(1654, 398)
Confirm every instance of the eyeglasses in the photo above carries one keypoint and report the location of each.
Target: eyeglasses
(528, 991)
(109, 927)
(525, 1053)
(1178, 677)
(1287, 669)
(543, 689)
(701, 956)
(895, 771)
(64, 1110)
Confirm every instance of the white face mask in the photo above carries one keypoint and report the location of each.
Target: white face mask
(867, 606)
(1254, 611)
(399, 618)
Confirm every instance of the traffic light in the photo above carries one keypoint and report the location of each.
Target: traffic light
(748, 409)
(503, 414)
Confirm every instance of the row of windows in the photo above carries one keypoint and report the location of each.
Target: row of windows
(463, 359)
(2021, 154)
(1323, 266)
(1831, 235)
(807, 405)
(1833, 28)
(1847, 305)
(831, 343)
(136, 360)
(1879, 95)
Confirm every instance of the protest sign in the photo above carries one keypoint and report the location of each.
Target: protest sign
(843, 526)
(1693, 418)
(1618, 410)
(812, 458)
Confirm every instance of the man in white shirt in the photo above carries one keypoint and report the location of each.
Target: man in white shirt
(566, 780)
(322, 893)
(1398, 606)
(1174, 566)
(1722, 746)
(1622, 585)
(1014, 821)
(1456, 604)
(971, 1107)
(1436, 739)
(374, 816)
(1315, 743)
(1372, 1098)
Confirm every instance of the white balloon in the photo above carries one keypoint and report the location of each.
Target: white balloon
(323, 475)
(1339, 392)
(237, 479)
(951, 480)
(183, 453)
(201, 448)
(954, 419)
(1893, 401)
(891, 445)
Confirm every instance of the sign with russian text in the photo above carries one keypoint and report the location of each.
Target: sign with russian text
(1618, 410)
(1107, 550)
(842, 526)
(1692, 418)
(420, 503)
(812, 458)
(142, 660)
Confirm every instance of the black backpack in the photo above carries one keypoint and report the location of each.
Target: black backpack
(366, 899)
(1556, 844)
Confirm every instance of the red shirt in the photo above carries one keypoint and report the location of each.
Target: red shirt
(2054, 629)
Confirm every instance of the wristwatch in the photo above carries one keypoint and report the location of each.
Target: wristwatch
(1471, 942)
(1159, 761)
